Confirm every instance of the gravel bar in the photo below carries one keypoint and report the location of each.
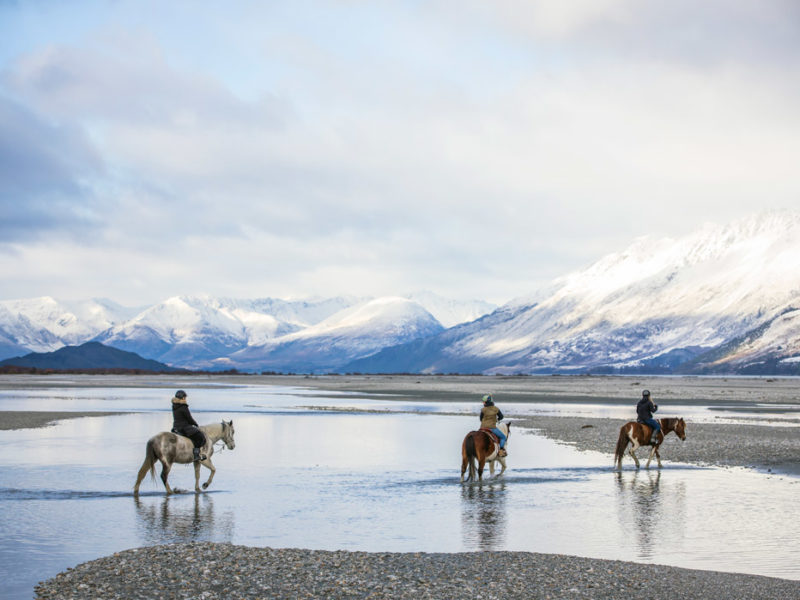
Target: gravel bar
(207, 570)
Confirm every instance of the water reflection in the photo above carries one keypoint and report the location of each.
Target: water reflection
(483, 515)
(651, 515)
(171, 519)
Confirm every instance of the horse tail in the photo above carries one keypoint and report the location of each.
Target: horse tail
(469, 451)
(148, 464)
(622, 443)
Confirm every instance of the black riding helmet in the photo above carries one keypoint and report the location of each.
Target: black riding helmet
(645, 393)
(180, 394)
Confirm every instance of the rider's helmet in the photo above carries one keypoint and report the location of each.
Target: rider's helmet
(645, 393)
(180, 394)
(487, 400)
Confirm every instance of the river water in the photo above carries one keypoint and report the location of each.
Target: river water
(327, 479)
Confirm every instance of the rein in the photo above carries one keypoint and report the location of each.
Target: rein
(220, 441)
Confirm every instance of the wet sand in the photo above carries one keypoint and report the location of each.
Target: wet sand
(17, 419)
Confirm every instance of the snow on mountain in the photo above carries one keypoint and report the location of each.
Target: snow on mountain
(660, 302)
(352, 333)
(45, 324)
(190, 331)
(451, 312)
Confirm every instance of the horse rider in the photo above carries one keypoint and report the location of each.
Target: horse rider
(644, 410)
(184, 424)
(490, 415)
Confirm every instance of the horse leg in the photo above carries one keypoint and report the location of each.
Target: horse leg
(655, 453)
(502, 462)
(491, 468)
(631, 450)
(207, 462)
(464, 460)
(165, 468)
(196, 465)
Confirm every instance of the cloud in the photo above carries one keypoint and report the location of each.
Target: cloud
(43, 168)
(356, 147)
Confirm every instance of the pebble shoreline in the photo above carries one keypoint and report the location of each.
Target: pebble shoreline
(210, 571)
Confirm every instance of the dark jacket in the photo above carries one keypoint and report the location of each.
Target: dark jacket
(645, 409)
(181, 417)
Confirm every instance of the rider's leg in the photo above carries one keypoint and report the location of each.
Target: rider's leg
(199, 440)
(656, 427)
(502, 437)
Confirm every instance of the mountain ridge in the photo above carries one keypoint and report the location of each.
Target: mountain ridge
(722, 299)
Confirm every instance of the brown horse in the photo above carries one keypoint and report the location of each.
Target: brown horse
(638, 434)
(168, 448)
(480, 446)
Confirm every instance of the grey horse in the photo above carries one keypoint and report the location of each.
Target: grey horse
(169, 448)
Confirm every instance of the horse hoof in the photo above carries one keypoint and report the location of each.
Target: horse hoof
(205, 486)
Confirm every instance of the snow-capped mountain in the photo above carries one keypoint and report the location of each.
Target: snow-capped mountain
(451, 312)
(46, 324)
(724, 299)
(190, 331)
(350, 334)
(202, 331)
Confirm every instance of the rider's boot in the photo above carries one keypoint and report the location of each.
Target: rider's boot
(197, 455)
(502, 452)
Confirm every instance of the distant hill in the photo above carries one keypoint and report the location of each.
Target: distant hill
(88, 356)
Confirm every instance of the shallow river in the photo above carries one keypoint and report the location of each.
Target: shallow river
(377, 482)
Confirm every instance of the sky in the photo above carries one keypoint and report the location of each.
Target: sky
(476, 150)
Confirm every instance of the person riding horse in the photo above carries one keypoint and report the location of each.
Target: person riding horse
(490, 415)
(644, 411)
(184, 424)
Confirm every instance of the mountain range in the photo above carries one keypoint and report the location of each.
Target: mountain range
(724, 299)
(203, 332)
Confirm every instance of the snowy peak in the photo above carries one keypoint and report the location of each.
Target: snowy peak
(710, 300)
(452, 312)
(350, 334)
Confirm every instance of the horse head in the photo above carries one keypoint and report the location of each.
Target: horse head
(680, 429)
(505, 427)
(227, 434)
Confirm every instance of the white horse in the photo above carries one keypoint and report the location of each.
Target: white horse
(168, 448)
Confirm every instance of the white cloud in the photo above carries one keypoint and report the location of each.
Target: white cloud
(382, 150)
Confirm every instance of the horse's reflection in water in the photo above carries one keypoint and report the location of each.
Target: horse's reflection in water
(483, 515)
(174, 519)
(645, 508)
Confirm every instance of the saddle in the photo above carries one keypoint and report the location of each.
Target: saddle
(491, 434)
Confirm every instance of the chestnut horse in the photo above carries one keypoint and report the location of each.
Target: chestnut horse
(480, 446)
(167, 448)
(638, 434)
